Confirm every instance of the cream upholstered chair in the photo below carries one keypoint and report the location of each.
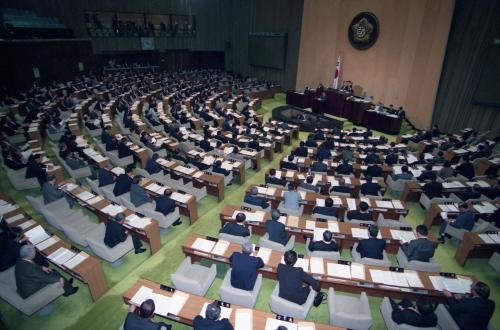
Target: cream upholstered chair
(349, 312)
(386, 311)
(282, 306)
(232, 295)
(429, 266)
(192, 278)
(384, 262)
(267, 243)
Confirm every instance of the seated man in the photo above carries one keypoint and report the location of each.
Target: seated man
(152, 165)
(345, 168)
(254, 200)
(10, 247)
(420, 249)
(138, 195)
(427, 174)
(142, 319)
(50, 191)
(106, 135)
(319, 166)
(374, 170)
(391, 158)
(439, 158)
(112, 144)
(216, 168)
(35, 169)
(276, 230)
(404, 175)
(272, 179)
(123, 182)
(341, 187)
(323, 152)
(291, 198)
(31, 277)
(421, 315)
(105, 176)
(166, 205)
(364, 213)
(347, 154)
(472, 311)
(291, 280)
(236, 229)
(308, 185)
(328, 209)
(198, 162)
(123, 149)
(327, 244)
(433, 189)
(466, 168)
(373, 246)
(301, 151)
(465, 220)
(370, 187)
(288, 164)
(116, 234)
(211, 320)
(447, 171)
(474, 193)
(244, 268)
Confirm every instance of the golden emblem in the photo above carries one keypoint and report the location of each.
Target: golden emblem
(362, 30)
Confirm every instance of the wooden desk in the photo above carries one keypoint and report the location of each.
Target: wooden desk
(351, 285)
(433, 215)
(472, 246)
(194, 304)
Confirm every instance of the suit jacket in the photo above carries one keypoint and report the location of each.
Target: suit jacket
(164, 205)
(33, 169)
(309, 187)
(30, 278)
(289, 166)
(347, 155)
(244, 270)
(205, 145)
(411, 317)
(135, 322)
(419, 249)
(324, 210)
(122, 184)
(374, 170)
(290, 281)
(324, 153)
(426, 175)
(391, 159)
(371, 248)
(465, 195)
(124, 150)
(433, 189)
(357, 215)
(471, 313)
(152, 166)
(51, 193)
(201, 323)
(370, 188)
(319, 167)
(301, 152)
(466, 169)
(138, 195)
(465, 221)
(9, 253)
(274, 180)
(403, 176)
(372, 158)
(254, 200)
(254, 145)
(105, 177)
(276, 232)
(322, 246)
(221, 171)
(291, 200)
(115, 233)
(345, 169)
(235, 229)
(111, 145)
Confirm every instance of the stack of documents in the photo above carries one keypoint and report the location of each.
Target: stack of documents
(69, 186)
(61, 255)
(181, 198)
(402, 235)
(264, 254)
(397, 204)
(485, 207)
(455, 285)
(118, 170)
(203, 245)
(138, 222)
(351, 204)
(250, 216)
(85, 196)
(384, 204)
(112, 209)
(25, 225)
(76, 260)
(243, 319)
(339, 270)
(95, 200)
(154, 187)
(317, 265)
(490, 238)
(36, 235)
(389, 278)
(448, 207)
(47, 243)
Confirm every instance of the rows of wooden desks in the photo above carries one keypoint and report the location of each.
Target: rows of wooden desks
(346, 234)
(477, 245)
(237, 167)
(433, 215)
(36, 149)
(187, 306)
(391, 209)
(80, 265)
(105, 209)
(341, 275)
(325, 182)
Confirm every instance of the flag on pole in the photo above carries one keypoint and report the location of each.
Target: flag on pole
(336, 78)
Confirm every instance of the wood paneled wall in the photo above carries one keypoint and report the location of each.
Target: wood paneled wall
(264, 16)
(404, 65)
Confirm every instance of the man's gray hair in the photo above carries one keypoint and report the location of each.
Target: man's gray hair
(26, 251)
(247, 247)
(254, 191)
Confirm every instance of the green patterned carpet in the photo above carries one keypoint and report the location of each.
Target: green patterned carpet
(78, 311)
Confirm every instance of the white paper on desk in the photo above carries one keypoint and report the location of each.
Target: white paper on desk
(76, 260)
(397, 204)
(351, 204)
(413, 279)
(333, 226)
(69, 186)
(336, 201)
(243, 319)
(36, 235)
(138, 222)
(381, 276)
(177, 302)
(61, 255)
(402, 235)
(282, 219)
(399, 279)
(203, 244)
(487, 239)
(302, 195)
(225, 313)
(181, 198)
(270, 191)
(161, 303)
(112, 210)
(358, 271)
(141, 295)
(338, 270)
(317, 265)
(85, 196)
(310, 225)
(25, 225)
(6, 208)
(302, 263)
(290, 174)
(273, 324)
(318, 234)
(47, 243)
(359, 232)
(118, 170)
(384, 204)
(95, 200)
(220, 248)
(320, 202)
(264, 254)
(495, 237)
(153, 187)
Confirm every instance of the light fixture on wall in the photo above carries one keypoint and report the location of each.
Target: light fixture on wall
(36, 72)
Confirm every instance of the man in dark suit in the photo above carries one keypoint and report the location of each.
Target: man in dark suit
(472, 311)
(428, 174)
(474, 193)
(10, 247)
(105, 176)
(345, 168)
(205, 145)
(289, 164)
(276, 230)
(373, 246)
(116, 234)
(347, 154)
(123, 182)
(244, 268)
(433, 189)
(152, 166)
(216, 168)
(254, 144)
(420, 249)
(35, 169)
(466, 168)
(106, 135)
(465, 221)
(123, 149)
(308, 185)
(31, 277)
(372, 157)
(301, 151)
(141, 319)
(391, 158)
(341, 188)
(328, 209)
(165, 205)
(319, 166)
(254, 200)
(50, 192)
(374, 170)
(112, 144)
(323, 152)
(404, 175)
(421, 315)
(236, 229)
(211, 320)
(198, 162)
(272, 179)
(370, 187)
(138, 196)
(364, 213)
(327, 244)
(291, 280)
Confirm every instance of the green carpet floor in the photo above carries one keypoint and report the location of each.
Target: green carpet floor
(79, 312)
